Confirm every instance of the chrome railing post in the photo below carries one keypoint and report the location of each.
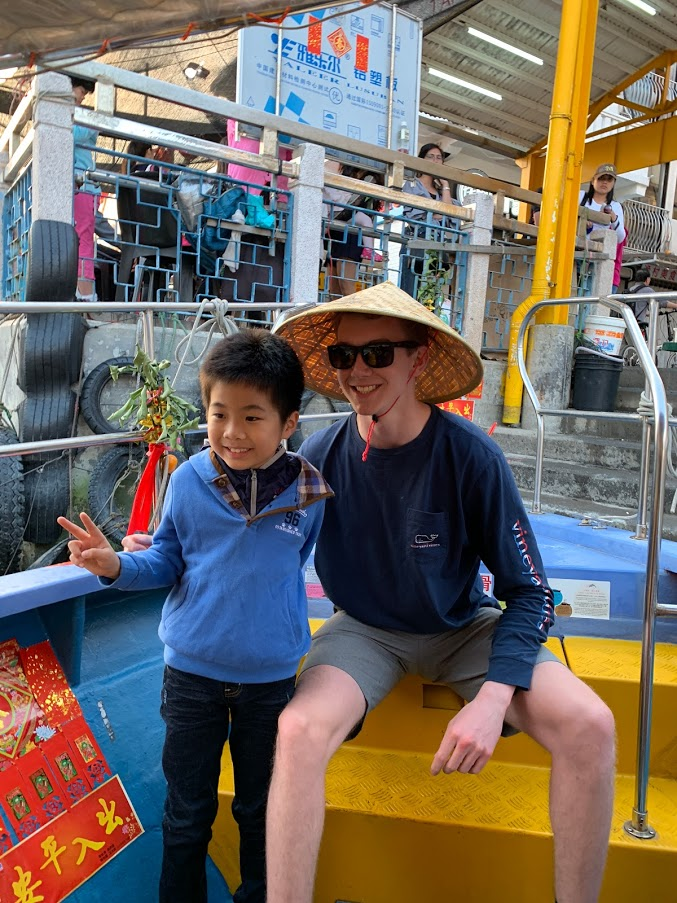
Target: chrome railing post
(538, 472)
(642, 529)
(638, 826)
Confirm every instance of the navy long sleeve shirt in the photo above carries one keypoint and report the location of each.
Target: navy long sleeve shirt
(402, 540)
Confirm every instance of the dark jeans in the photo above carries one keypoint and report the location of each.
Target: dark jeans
(199, 714)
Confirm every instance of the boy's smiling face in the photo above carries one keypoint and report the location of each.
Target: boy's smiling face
(243, 426)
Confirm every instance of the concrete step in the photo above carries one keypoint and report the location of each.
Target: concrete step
(597, 514)
(616, 454)
(582, 481)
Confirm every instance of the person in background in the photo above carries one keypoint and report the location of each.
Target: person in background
(642, 286)
(233, 627)
(345, 250)
(600, 196)
(431, 188)
(85, 197)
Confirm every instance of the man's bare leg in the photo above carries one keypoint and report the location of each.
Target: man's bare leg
(573, 724)
(326, 706)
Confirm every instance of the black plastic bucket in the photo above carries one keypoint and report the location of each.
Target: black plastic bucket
(596, 379)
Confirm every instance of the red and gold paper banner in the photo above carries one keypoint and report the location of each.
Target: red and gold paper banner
(48, 684)
(64, 853)
(315, 36)
(463, 406)
(362, 53)
(339, 42)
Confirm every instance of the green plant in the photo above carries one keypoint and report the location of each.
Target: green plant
(155, 407)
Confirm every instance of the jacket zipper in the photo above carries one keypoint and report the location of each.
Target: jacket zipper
(252, 506)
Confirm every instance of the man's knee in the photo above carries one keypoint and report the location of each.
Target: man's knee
(301, 737)
(590, 728)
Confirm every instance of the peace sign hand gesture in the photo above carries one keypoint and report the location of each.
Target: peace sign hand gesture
(90, 549)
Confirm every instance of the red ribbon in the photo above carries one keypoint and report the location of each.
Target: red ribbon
(144, 496)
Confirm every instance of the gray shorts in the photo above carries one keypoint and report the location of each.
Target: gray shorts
(377, 659)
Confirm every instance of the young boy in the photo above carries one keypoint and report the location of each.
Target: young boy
(239, 521)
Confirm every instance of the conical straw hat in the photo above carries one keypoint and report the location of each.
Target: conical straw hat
(453, 368)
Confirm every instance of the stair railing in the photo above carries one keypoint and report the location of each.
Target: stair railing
(637, 826)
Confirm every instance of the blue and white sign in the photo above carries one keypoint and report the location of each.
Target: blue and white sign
(335, 72)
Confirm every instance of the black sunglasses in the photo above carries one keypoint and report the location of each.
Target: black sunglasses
(375, 354)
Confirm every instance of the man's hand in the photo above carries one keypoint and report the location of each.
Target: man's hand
(90, 549)
(471, 737)
(137, 542)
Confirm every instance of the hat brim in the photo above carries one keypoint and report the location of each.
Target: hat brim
(453, 368)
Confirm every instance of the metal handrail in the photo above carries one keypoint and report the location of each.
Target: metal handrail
(638, 826)
(142, 307)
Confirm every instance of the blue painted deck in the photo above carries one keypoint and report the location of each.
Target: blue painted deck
(107, 642)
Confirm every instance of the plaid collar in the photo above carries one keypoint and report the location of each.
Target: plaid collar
(311, 485)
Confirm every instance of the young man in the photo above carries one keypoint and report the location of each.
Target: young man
(239, 522)
(421, 497)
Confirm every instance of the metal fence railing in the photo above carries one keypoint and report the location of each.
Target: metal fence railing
(16, 224)
(168, 232)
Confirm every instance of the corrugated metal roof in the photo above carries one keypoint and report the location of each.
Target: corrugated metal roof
(627, 40)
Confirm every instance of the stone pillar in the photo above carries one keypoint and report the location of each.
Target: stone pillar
(549, 363)
(603, 277)
(52, 175)
(306, 236)
(477, 272)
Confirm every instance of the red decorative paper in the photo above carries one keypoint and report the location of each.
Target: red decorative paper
(57, 859)
(20, 803)
(476, 392)
(339, 42)
(36, 771)
(87, 752)
(67, 768)
(20, 715)
(463, 406)
(314, 36)
(362, 53)
(49, 685)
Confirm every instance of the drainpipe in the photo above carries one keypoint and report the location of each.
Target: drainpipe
(554, 184)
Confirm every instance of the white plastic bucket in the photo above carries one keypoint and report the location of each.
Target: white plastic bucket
(606, 332)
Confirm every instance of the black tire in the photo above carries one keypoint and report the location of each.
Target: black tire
(46, 496)
(96, 389)
(311, 403)
(193, 441)
(56, 554)
(47, 415)
(11, 507)
(111, 488)
(50, 351)
(52, 273)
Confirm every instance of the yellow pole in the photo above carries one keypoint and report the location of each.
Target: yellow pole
(568, 220)
(559, 134)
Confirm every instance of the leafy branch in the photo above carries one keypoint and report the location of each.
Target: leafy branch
(155, 407)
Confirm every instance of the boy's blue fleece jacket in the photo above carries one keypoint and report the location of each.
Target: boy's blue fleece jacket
(237, 610)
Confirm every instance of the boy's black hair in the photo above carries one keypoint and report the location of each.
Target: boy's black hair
(641, 275)
(256, 358)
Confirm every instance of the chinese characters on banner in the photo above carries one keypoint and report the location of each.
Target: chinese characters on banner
(465, 405)
(52, 862)
(52, 772)
(335, 71)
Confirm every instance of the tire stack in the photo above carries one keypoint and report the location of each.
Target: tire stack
(50, 358)
(11, 506)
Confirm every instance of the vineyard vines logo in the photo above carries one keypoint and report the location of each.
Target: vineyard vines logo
(425, 541)
(547, 611)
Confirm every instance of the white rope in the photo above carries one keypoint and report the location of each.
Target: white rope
(645, 408)
(225, 324)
